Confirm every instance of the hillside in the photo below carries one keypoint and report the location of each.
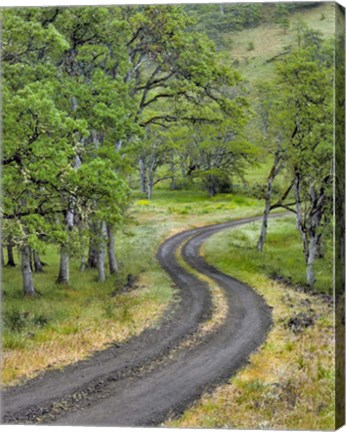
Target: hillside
(251, 35)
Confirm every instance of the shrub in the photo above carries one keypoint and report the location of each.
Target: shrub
(250, 46)
(16, 320)
(40, 320)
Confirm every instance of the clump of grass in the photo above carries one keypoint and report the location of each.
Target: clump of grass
(15, 320)
(250, 46)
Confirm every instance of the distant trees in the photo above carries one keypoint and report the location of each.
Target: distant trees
(219, 19)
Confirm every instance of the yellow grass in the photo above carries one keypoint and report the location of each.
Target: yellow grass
(60, 349)
(289, 382)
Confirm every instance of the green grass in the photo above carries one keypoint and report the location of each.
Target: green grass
(282, 255)
(253, 64)
(63, 324)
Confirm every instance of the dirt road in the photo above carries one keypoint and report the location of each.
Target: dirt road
(151, 377)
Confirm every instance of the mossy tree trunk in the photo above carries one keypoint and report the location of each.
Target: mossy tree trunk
(101, 253)
(37, 262)
(28, 282)
(112, 259)
(64, 267)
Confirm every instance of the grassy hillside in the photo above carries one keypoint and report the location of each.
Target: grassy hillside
(251, 50)
(250, 35)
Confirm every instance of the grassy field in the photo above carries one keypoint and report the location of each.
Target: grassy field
(65, 324)
(289, 381)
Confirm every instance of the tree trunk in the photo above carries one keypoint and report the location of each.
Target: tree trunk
(211, 186)
(150, 187)
(173, 172)
(37, 262)
(28, 282)
(83, 264)
(264, 227)
(92, 254)
(151, 172)
(313, 252)
(273, 173)
(142, 175)
(31, 261)
(64, 268)
(101, 254)
(299, 219)
(112, 259)
(182, 166)
(101, 264)
(309, 227)
(10, 257)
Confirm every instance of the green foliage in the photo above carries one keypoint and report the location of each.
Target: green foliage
(16, 320)
(305, 76)
(217, 20)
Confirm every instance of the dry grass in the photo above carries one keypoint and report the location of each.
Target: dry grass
(289, 381)
(85, 318)
(73, 340)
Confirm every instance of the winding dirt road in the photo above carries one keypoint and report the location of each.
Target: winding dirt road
(154, 375)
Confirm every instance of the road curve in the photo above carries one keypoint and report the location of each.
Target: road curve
(140, 383)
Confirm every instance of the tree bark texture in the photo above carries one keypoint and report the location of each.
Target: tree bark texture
(64, 268)
(112, 259)
(173, 185)
(142, 175)
(37, 262)
(101, 253)
(28, 282)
